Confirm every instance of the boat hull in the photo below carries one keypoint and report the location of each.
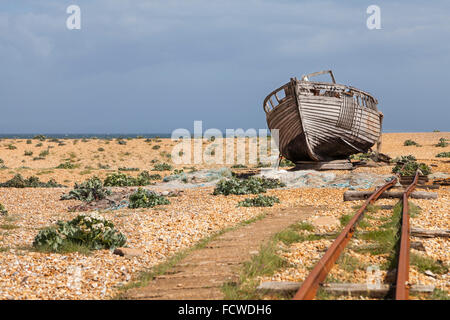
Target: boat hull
(321, 121)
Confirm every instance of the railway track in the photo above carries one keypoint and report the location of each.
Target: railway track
(311, 284)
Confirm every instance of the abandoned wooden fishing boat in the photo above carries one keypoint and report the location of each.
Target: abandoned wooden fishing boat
(322, 121)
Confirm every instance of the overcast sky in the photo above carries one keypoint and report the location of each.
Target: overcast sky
(157, 65)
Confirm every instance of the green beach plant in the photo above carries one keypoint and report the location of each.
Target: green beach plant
(259, 201)
(122, 180)
(251, 185)
(88, 191)
(88, 230)
(67, 165)
(31, 182)
(443, 155)
(146, 199)
(411, 143)
(410, 168)
(442, 143)
(3, 210)
(162, 167)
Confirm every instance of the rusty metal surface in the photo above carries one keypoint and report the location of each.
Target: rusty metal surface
(402, 285)
(311, 284)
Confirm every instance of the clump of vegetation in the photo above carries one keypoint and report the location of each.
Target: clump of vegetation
(442, 143)
(251, 185)
(439, 294)
(424, 263)
(39, 144)
(349, 263)
(2, 164)
(29, 141)
(162, 167)
(154, 176)
(345, 219)
(286, 163)
(32, 182)
(156, 147)
(101, 149)
(103, 166)
(265, 263)
(386, 236)
(67, 165)
(146, 199)
(361, 156)
(44, 153)
(166, 154)
(90, 231)
(121, 142)
(145, 177)
(128, 169)
(3, 210)
(191, 169)
(40, 137)
(122, 180)
(303, 225)
(28, 153)
(443, 155)
(404, 159)
(88, 191)
(263, 165)
(259, 201)
(411, 143)
(178, 171)
(410, 168)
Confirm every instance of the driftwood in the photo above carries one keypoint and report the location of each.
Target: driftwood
(428, 186)
(245, 173)
(407, 180)
(417, 245)
(425, 233)
(352, 289)
(351, 195)
(442, 182)
(324, 165)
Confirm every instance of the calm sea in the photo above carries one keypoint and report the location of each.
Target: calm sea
(85, 135)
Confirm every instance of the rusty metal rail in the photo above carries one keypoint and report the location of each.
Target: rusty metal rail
(311, 284)
(402, 285)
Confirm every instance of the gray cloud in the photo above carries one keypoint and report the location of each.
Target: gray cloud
(153, 66)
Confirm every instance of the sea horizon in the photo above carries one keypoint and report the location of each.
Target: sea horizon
(124, 135)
